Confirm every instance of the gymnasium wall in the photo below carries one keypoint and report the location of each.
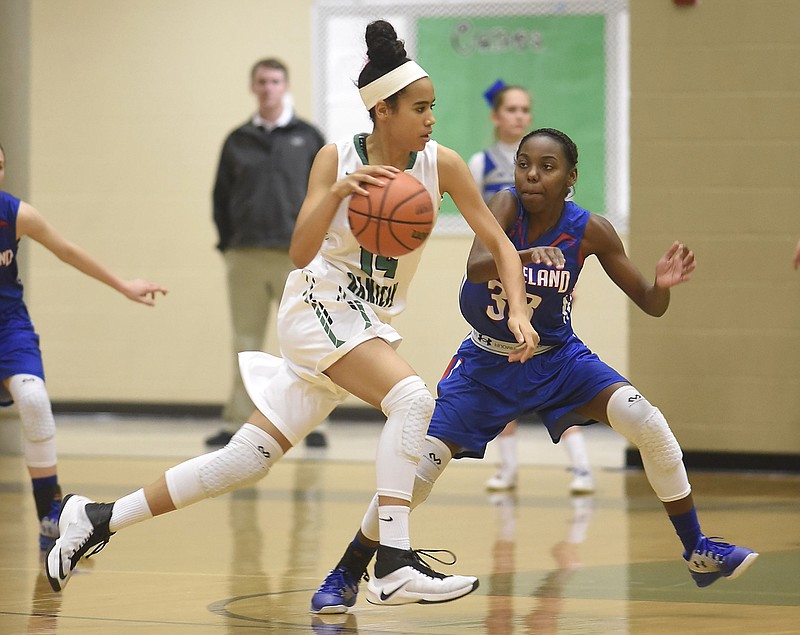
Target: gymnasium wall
(129, 104)
(715, 136)
(15, 92)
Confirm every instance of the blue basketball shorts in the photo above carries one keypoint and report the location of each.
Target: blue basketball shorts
(481, 392)
(19, 349)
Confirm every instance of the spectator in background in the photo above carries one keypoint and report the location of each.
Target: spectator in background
(261, 183)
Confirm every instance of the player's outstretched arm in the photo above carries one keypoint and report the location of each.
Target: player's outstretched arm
(31, 223)
(674, 267)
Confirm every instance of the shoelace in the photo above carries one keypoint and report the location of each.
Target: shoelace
(334, 580)
(80, 551)
(97, 548)
(429, 553)
(716, 548)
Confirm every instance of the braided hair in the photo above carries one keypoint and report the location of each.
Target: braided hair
(385, 52)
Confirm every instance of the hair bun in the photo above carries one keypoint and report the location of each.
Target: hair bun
(383, 46)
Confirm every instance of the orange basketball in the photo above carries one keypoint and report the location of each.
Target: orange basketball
(392, 220)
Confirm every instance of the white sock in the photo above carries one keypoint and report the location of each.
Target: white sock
(393, 523)
(575, 444)
(129, 510)
(507, 444)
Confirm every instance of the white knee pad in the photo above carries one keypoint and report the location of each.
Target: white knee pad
(38, 424)
(408, 407)
(435, 457)
(635, 418)
(411, 399)
(247, 458)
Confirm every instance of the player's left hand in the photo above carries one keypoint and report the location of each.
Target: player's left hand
(142, 291)
(675, 266)
(550, 256)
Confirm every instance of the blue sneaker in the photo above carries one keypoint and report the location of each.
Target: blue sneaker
(337, 593)
(48, 526)
(48, 531)
(712, 560)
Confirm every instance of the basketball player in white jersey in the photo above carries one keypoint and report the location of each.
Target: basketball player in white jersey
(333, 326)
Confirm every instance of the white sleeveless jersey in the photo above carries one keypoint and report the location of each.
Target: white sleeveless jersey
(382, 282)
(343, 298)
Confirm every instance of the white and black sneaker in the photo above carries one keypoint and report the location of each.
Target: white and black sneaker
(83, 524)
(401, 577)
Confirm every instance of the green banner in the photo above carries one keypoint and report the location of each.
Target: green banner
(559, 59)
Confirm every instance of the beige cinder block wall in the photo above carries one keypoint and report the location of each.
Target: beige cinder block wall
(130, 103)
(15, 92)
(14, 99)
(715, 136)
(128, 107)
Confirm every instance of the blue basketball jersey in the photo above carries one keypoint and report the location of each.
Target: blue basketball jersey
(480, 391)
(10, 285)
(549, 290)
(19, 343)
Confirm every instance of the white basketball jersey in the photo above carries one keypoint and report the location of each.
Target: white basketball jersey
(382, 282)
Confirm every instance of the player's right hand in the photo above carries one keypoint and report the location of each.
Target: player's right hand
(351, 183)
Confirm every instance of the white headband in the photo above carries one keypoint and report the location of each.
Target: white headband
(389, 84)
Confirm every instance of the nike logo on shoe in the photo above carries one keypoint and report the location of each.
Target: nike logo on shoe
(386, 596)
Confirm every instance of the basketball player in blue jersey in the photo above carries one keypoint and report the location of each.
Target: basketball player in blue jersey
(336, 338)
(493, 171)
(564, 383)
(21, 370)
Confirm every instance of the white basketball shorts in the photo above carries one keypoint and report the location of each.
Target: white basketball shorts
(319, 321)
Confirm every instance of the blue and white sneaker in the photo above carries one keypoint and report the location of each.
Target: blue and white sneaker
(337, 593)
(712, 560)
(48, 531)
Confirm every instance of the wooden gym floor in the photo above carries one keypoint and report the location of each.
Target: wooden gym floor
(250, 561)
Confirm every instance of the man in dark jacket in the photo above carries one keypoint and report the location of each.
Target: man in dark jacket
(260, 186)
